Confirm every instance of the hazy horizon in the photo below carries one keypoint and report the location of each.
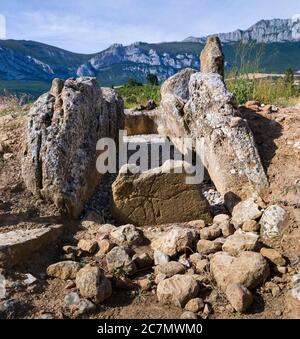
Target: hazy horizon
(91, 26)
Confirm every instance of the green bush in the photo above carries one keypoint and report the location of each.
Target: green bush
(136, 96)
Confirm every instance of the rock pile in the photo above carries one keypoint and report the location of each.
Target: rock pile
(179, 262)
(168, 243)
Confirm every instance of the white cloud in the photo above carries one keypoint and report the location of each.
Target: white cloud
(82, 35)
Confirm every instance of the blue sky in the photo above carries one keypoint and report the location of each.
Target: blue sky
(88, 26)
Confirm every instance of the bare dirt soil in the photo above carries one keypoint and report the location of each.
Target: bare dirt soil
(276, 134)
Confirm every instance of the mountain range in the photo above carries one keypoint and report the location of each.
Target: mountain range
(276, 41)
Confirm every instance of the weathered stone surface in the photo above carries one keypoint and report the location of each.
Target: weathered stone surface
(178, 290)
(239, 297)
(93, 284)
(140, 123)
(293, 298)
(118, 261)
(249, 269)
(105, 246)
(245, 211)
(64, 270)
(72, 299)
(212, 58)
(77, 306)
(127, 235)
(200, 264)
(170, 269)
(202, 267)
(178, 240)
(158, 197)
(241, 241)
(88, 246)
(160, 258)
(113, 117)
(196, 224)
(227, 228)
(105, 229)
(251, 226)
(211, 233)
(84, 307)
(195, 305)
(230, 154)
(221, 218)
(175, 94)
(208, 247)
(63, 128)
(17, 246)
(273, 221)
(273, 256)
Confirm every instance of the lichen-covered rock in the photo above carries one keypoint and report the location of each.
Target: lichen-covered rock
(212, 58)
(273, 221)
(230, 153)
(63, 128)
(175, 94)
(119, 262)
(207, 113)
(112, 118)
(127, 235)
(158, 196)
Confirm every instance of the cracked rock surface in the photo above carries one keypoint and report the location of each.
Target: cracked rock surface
(156, 197)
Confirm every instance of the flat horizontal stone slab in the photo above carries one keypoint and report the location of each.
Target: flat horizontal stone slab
(17, 246)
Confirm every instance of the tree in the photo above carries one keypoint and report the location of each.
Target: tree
(289, 76)
(132, 83)
(152, 79)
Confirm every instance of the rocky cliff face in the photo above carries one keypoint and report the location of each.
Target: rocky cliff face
(28, 60)
(140, 58)
(266, 31)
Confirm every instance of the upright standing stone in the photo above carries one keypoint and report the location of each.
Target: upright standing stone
(170, 116)
(230, 153)
(205, 111)
(64, 126)
(212, 57)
